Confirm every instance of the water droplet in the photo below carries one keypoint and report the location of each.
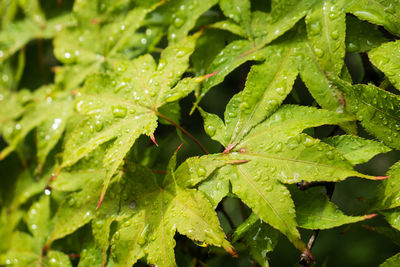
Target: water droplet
(119, 112)
(318, 52)
(143, 235)
(269, 188)
(117, 235)
(78, 106)
(278, 147)
(315, 28)
(180, 54)
(71, 202)
(178, 22)
(330, 155)
(211, 130)
(280, 91)
(201, 171)
(335, 35)
(308, 142)
(352, 47)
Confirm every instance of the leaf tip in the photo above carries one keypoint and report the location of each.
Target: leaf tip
(100, 200)
(153, 139)
(204, 77)
(370, 216)
(230, 249)
(377, 178)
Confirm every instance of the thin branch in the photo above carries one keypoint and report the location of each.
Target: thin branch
(194, 139)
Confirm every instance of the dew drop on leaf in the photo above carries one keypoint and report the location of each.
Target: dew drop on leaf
(119, 112)
(335, 35)
(211, 130)
(201, 171)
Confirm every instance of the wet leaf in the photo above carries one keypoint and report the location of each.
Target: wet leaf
(154, 211)
(381, 12)
(386, 57)
(258, 236)
(122, 105)
(378, 110)
(315, 211)
(356, 149)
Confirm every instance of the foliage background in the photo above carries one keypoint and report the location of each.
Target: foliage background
(34, 64)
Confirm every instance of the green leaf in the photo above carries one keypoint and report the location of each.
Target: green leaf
(38, 220)
(76, 210)
(326, 34)
(388, 192)
(381, 12)
(315, 211)
(185, 17)
(271, 153)
(362, 36)
(283, 16)
(36, 115)
(18, 34)
(356, 149)
(157, 209)
(229, 25)
(258, 236)
(392, 261)
(11, 108)
(378, 110)
(238, 11)
(386, 57)
(232, 56)
(124, 104)
(266, 87)
(392, 217)
(57, 259)
(87, 50)
(22, 251)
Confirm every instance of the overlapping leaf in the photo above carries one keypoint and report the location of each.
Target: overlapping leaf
(317, 50)
(356, 149)
(258, 236)
(380, 12)
(315, 211)
(26, 249)
(158, 208)
(41, 112)
(386, 58)
(18, 34)
(123, 104)
(270, 149)
(388, 192)
(378, 110)
(90, 49)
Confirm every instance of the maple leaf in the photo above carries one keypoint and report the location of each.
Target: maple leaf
(33, 26)
(41, 111)
(386, 58)
(26, 248)
(109, 34)
(375, 108)
(269, 149)
(151, 209)
(317, 48)
(124, 104)
(258, 236)
(159, 208)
